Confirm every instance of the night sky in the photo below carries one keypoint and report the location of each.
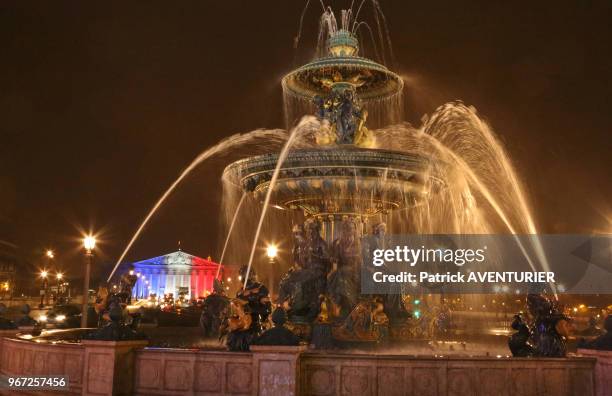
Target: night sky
(102, 104)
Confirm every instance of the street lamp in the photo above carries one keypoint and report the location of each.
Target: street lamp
(50, 254)
(89, 243)
(272, 252)
(58, 277)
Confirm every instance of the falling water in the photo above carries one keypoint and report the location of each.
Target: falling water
(229, 232)
(481, 192)
(476, 172)
(306, 125)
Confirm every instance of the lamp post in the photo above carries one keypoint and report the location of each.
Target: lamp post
(43, 291)
(58, 277)
(89, 243)
(50, 256)
(272, 252)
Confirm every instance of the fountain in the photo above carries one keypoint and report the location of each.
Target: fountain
(339, 177)
(346, 173)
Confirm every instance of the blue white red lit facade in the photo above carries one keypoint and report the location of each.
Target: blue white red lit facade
(172, 273)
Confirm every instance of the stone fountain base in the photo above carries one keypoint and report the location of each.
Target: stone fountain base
(279, 370)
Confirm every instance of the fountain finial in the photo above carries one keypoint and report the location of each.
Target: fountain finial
(342, 43)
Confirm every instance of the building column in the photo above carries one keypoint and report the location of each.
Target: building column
(204, 281)
(207, 280)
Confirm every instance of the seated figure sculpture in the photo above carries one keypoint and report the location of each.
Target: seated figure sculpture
(366, 322)
(215, 310)
(290, 286)
(343, 282)
(393, 302)
(519, 342)
(603, 342)
(115, 329)
(279, 334)
(343, 119)
(127, 282)
(250, 310)
(240, 326)
(113, 318)
(550, 327)
(301, 287)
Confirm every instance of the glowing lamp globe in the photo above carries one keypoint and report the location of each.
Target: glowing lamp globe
(89, 242)
(272, 251)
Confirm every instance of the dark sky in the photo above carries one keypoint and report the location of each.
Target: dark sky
(103, 103)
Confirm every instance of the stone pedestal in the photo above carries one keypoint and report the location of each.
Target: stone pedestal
(603, 370)
(276, 370)
(109, 367)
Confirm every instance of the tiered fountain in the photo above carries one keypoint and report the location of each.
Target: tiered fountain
(343, 175)
(342, 179)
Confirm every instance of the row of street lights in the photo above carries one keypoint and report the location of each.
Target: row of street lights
(44, 274)
(89, 243)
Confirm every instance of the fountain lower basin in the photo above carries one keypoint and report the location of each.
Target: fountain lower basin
(344, 180)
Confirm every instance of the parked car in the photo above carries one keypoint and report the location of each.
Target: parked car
(61, 317)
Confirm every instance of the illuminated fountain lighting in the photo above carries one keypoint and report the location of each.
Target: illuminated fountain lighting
(449, 175)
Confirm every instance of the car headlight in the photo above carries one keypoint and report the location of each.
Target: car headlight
(60, 318)
(42, 318)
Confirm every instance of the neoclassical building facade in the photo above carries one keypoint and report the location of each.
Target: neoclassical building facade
(174, 273)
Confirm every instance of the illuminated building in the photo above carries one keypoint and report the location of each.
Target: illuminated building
(175, 273)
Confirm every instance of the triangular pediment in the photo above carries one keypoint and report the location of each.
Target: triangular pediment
(176, 259)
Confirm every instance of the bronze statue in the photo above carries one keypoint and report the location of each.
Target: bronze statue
(548, 332)
(301, 286)
(519, 342)
(215, 310)
(240, 325)
(279, 334)
(550, 326)
(115, 329)
(127, 282)
(603, 342)
(366, 322)
(343, 284)
(343, 113)
(393, 300)
(251, 309)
